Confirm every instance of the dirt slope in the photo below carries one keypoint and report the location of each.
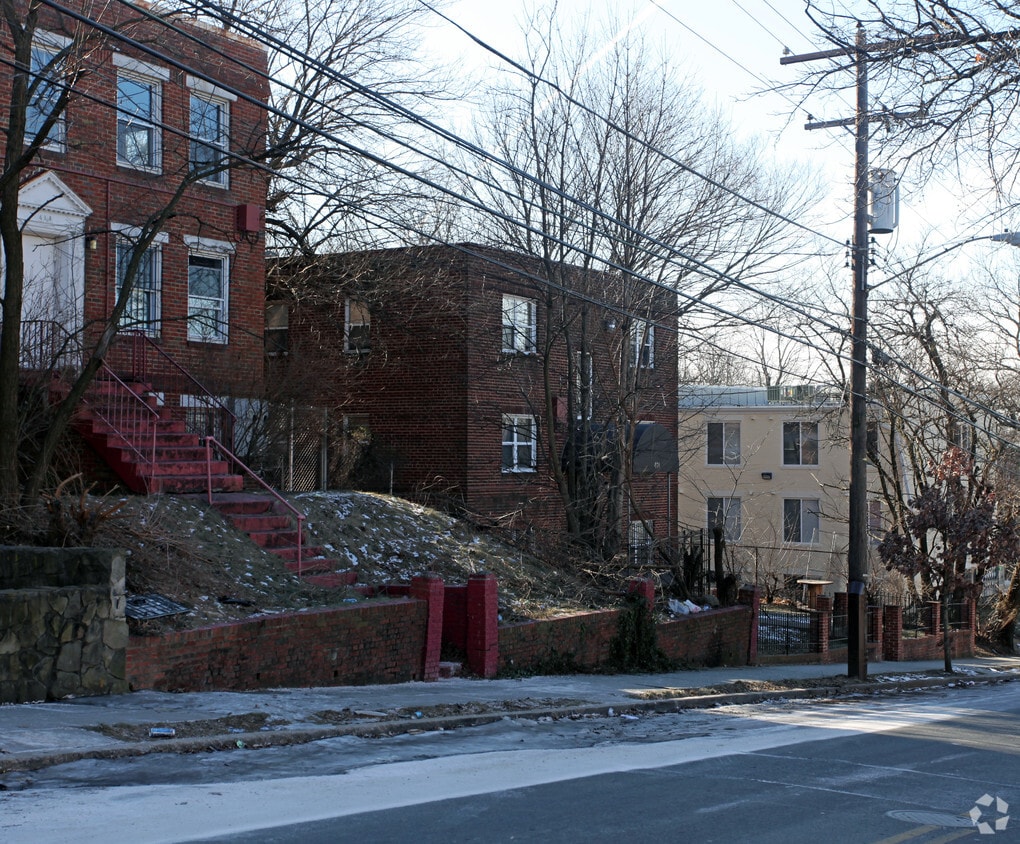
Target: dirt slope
(182, 549)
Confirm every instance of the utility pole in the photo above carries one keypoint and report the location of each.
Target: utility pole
(857, 553)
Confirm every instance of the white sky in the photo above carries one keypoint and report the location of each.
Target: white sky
(732, 46)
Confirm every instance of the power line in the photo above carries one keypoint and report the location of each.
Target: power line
(722, 311)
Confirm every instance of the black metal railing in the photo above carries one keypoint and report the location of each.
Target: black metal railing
(784, 630)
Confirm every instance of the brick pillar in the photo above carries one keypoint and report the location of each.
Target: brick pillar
(892, 633)
(875, 612)
(752, 598)
(821, 622)
(840, 604)
(970, 608)
(935, 618)
(482, 625)
(429, 588)
(645, 587)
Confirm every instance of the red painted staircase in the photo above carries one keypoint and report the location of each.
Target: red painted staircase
(149, 451)
(271, 526)
(152, 452)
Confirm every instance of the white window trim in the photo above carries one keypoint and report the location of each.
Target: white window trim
(642, 336)
(727, 504)
(818, 516)
(137, 67)
(127, 234)
(56, 43)
(516, 419)
(154, 76)
(214, 94)
(223, 251)
(135, 232)
(531, 335)
(209, 89)
(724, 461)
(800, 443)
(640, 541)
(205, 244)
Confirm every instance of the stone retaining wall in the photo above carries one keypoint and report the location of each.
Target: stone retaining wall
(62, 625)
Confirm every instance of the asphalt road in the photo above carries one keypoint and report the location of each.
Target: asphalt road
(908, 768)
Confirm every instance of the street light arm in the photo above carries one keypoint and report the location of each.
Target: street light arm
(1012, 238)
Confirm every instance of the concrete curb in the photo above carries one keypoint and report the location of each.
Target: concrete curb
(304, 735)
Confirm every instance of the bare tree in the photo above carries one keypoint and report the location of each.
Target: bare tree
(343, 70)
(943, 78)
(601, 176)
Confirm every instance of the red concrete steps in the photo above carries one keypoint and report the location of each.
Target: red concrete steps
(149, 452)
(272, 527)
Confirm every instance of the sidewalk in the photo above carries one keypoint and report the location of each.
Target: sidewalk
(36, 735)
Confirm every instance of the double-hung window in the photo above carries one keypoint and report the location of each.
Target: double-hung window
(520, 442)
(210, 131)
(145, 296)
(519, 325)
(277, 328)
(725, 513)
(800, 520)
(642, 344)
(640, 543)
(800, 443)
(208, 289)
(139, 110)
(46, 85)
(723, 443)
(357, 327)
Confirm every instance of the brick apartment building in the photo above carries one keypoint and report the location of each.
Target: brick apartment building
(463, 375)
(149, 107)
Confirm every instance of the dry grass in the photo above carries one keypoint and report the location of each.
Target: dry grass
(182, 549)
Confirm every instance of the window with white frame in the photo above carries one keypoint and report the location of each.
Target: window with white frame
(584, 385)
(723, 443)
(800, 443)
(519, 325)
(520, 442)
(642, 344)
(640, 542)
(46, 86)
(208, 289)
(144, 302)
(800, 520)
(357, 327)
(139, 110)
(209, 127)
(725, 513)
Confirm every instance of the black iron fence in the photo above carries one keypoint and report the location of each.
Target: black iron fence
(784, 630)
(787, 629)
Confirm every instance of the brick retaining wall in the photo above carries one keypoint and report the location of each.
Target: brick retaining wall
(377, 642)
(582, 641)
